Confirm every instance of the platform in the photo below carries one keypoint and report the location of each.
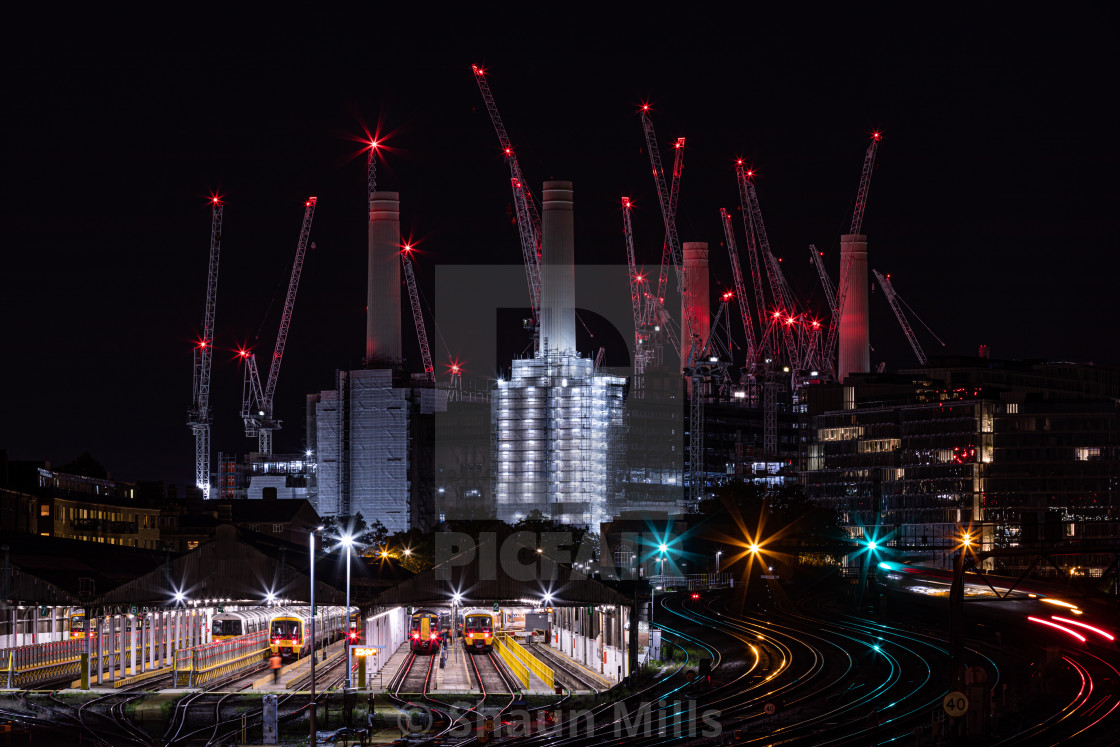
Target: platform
(290, 673)
(455, 678)
(601, 682)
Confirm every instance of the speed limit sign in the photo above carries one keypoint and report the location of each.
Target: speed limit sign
(955, 704)
(770, 709)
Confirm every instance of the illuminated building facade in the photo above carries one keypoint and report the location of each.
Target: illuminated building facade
(558, 444)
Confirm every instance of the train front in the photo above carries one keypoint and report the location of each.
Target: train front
(285, 635)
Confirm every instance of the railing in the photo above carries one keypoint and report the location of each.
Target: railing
(527, 660)
(197, 665)
(23, 662)
(515, 666)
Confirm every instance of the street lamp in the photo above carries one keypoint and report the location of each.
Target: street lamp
(311, 709)
(718, 553)
(347, 542)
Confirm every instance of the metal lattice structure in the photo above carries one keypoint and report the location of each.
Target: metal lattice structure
(826, 281)
(257, 401)
(833, 337)
(640, 336)
(892, 298)
(199, 416)
(417, 315)
(740, 292)
(528, 219)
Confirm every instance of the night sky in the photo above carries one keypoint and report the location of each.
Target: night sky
(993, 204)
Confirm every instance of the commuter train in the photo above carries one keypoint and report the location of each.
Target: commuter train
(228, 625)
(424, 632)
(77, 624)
(479, 629)
(289, 629)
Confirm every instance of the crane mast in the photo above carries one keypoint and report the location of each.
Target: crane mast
(669, 219)
(417, 316)
(864, 183)
(774, 276)
(666, 257)
(199, 416)
(257, 401)
(635, 296)
(528, 219)
(833, 337)
(740, 290)
(741, 176)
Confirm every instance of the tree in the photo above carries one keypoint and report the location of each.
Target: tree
(365, 535)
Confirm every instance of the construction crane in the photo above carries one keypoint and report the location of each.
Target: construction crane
(635, 296)
(896, 306)
(657, 314)
(780, 293)
(199, 416)
(689, 324)
(826, 281)
(257, 401)
(832, 339)
(740, 293)
(528, 219)
(417, 316)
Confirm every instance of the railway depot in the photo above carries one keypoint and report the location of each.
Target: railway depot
(156, 620)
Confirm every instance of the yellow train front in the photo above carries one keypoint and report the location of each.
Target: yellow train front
(424, 633)
(78, 624)
(289, 629)
(478, 631)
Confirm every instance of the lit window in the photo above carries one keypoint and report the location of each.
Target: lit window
(1085, 453)
(45, 509)
(192, 544)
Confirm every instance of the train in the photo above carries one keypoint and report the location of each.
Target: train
(289, 629)
(226, 625)
(77, 624)
(479, 629)
(424, 632)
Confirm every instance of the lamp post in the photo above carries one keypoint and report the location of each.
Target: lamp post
(311, 709)
(718, 553)
(347, 542)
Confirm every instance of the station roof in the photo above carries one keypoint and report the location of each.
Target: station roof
(534, 579)
(238, 564)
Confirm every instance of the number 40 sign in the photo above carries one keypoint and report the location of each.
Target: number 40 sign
(955, 704)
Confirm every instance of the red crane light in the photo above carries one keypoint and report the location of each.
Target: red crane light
(876, 136)
(243, 352)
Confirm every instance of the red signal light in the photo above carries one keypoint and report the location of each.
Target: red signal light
(695, 595)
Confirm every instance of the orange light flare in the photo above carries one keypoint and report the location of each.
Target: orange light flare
(752, 545)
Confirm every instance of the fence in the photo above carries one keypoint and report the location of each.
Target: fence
(41, 661)
(527, 661)
(200, 664)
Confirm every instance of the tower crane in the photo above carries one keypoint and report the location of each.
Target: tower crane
(833, 337)
(635, 296)
(528, 219)
(754, 213)
(740, 293)
(689, 325)
(257, 401)
(417, 316)
(741, 176)
(896, 306)
(199, 416)
(657, 313)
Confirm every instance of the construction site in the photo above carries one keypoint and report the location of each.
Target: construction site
(729, 379)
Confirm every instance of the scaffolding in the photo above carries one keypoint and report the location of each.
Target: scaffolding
(557, 444)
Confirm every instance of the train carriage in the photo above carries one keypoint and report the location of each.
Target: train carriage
(227, 625)
(479, 629)
(424, 632)
(289, 629)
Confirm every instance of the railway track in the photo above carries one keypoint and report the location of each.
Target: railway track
(489, 675)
